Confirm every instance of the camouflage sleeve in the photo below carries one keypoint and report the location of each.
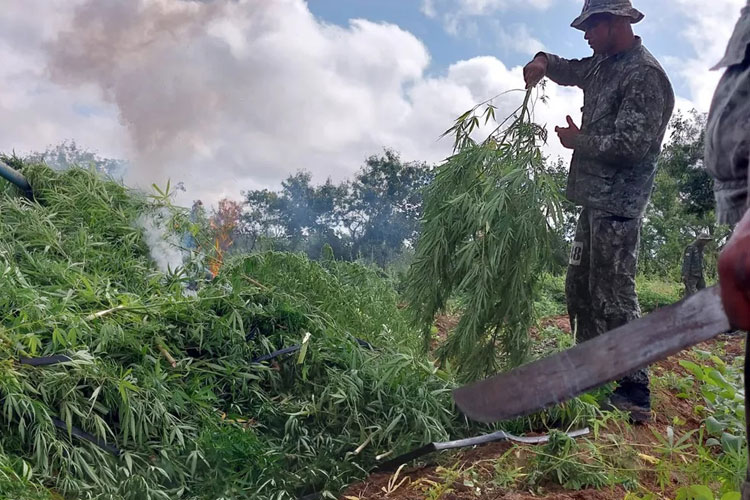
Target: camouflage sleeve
(727, 141)
(686, 262)
(569, 72)
(639, 120)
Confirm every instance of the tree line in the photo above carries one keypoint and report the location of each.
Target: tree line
(375, 216)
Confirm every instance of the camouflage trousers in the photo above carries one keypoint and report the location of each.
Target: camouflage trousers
(693, 285)
(600, 285)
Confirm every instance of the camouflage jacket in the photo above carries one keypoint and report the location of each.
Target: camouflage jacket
(628, 101)
(692, 262)
(728, 129)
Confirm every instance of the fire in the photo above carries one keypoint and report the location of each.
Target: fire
(223, 224)
(215, 263)
(222, 242)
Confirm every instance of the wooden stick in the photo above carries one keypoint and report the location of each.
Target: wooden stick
(363, 445)
(167, 356)
(103, 313)
(256, 283)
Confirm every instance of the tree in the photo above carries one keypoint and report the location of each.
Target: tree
(375, 216)
(294, 214)
(386, 200)
(682, 204)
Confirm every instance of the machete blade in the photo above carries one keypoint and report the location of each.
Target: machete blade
(588, 365)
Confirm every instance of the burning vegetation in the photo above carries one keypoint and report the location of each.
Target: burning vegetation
(223, 224)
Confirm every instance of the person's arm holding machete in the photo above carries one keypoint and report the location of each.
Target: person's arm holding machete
(726, 159)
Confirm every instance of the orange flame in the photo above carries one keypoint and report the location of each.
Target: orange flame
(216, 262)
(223, 223)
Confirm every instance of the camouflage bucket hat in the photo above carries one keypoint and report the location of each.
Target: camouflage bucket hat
(621, 8)
(705, 236)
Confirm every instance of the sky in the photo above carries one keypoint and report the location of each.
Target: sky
(232, 95)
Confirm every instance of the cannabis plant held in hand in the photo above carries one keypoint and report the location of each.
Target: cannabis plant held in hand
(486, 238)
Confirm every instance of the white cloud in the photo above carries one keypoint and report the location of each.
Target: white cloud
(517, 38)
(710, 26)
(35, 113)
(478, 7)
(233, 95)
(459, 16)
(428, 8)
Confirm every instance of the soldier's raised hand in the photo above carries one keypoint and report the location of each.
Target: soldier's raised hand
(535, 71)
(734, 276)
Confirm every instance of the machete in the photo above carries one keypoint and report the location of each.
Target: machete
(588, 365)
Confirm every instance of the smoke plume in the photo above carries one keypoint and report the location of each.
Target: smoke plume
(164, 246)
(227, 95)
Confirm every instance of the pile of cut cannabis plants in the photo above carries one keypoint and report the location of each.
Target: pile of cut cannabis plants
(166, 374)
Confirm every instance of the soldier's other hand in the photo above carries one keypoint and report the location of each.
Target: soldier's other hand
(535, 71)
(568, 135)
(734, 276)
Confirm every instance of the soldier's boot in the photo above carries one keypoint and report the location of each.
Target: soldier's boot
(638, 414)
(633, 399)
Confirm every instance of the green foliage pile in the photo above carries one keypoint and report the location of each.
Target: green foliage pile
(77, 279)
(487, 239)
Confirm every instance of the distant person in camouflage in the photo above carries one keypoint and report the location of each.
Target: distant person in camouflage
(727, 158)
(692, 265)
(628, 101)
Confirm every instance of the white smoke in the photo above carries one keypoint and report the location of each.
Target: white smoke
(164, 245)
(228, 95)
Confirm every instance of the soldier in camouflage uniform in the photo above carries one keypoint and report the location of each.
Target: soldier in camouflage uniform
(628, 101)
(692, 265)
(727, 157)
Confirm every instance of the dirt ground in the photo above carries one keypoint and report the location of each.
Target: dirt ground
(412, 484)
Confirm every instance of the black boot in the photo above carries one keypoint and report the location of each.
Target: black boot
(634, 399)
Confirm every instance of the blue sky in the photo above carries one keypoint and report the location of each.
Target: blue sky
(660, 30)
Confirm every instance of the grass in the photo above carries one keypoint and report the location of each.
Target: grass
(550, 298)
(652, 294)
